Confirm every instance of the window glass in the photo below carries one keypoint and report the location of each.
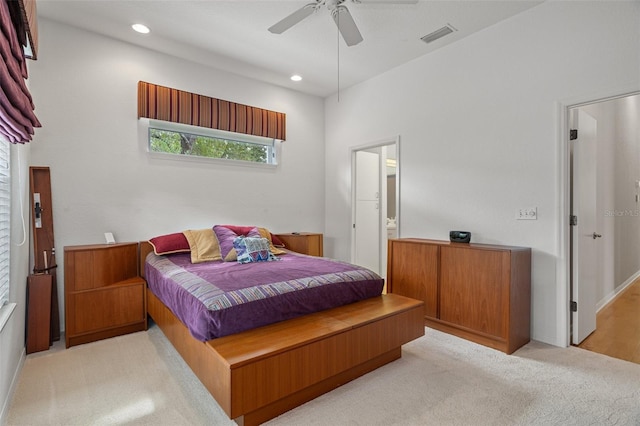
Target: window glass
(170, 138)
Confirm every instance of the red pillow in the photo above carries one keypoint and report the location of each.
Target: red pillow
(170, 243)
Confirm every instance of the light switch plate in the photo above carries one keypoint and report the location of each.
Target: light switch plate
(528, 213)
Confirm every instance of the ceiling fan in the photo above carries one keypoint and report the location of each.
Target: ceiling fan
(340, 14)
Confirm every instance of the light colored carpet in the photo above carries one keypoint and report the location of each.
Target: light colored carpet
(441, 380)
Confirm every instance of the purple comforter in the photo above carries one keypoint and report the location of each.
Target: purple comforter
(214, 299)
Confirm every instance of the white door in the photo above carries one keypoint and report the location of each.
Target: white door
(585, 236)
(367, 214)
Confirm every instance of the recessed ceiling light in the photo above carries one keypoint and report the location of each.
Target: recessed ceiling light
(143, 29)
(296, 77)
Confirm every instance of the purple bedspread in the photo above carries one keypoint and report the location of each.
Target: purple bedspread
(214, 299)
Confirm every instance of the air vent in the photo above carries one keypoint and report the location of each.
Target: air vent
(437, 34)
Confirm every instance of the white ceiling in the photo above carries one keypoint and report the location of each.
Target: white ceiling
(233, 36)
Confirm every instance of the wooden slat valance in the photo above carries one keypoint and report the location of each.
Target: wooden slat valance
(164, 103)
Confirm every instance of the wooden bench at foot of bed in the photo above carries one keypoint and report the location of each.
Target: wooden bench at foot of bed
(259, 374)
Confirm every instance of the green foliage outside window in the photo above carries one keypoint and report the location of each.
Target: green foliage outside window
(202, 146)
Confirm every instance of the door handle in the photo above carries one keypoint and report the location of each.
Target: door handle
(596, 236)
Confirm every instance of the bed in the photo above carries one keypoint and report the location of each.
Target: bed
(258, 364)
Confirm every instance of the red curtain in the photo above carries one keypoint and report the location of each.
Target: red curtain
(17, 119)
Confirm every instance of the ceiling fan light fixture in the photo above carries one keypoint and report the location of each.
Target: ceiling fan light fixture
(438, 34)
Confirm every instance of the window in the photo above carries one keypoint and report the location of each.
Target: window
(5, 225)
(191, 141)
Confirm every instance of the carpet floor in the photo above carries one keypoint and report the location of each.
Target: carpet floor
(139, 379)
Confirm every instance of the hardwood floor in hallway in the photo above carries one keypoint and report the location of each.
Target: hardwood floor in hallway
(618, 327)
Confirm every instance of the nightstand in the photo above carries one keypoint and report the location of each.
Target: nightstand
(104, 294)
(304, 242)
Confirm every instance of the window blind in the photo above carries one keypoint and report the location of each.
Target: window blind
(5, 210)
(164, 103)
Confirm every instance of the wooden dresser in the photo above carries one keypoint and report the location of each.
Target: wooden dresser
(104, 294)
(303, 242)
(479, 292)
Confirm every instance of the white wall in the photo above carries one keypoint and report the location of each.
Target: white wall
(479, 127)
(85, 89)
(12, 343)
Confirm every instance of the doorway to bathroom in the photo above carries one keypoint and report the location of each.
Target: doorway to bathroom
(375, 203)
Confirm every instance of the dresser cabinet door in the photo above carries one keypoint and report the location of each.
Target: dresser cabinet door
(413, 272)
(474, 289)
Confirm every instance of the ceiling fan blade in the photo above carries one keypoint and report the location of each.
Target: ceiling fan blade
(346, 25)
(293, 19)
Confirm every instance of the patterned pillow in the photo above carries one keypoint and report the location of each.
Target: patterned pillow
(225, 239)
(274, 241)
(252, 249)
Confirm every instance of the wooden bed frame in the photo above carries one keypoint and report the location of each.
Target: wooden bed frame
(259, 374)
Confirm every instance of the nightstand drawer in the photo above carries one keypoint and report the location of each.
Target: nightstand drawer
(109, 307)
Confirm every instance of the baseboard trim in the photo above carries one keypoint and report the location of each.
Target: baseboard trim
(616, 292)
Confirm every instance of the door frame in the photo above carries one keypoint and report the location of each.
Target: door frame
(352, 152)
(563, 231)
